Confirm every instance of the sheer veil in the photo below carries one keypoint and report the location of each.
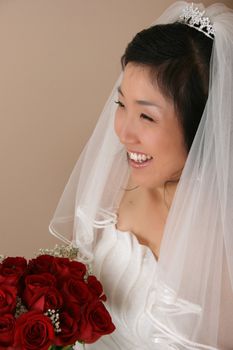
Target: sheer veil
(191, 301)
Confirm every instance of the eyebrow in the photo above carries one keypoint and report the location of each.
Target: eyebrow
(140, 102)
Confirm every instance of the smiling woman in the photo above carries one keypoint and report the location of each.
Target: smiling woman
(146, 124)
(151, 133)
(149, 202)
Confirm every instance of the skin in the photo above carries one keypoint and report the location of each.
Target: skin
(146, 122)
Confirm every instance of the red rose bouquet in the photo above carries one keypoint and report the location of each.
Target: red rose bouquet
(50, 302)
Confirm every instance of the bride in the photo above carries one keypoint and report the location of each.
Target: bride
(150, 200)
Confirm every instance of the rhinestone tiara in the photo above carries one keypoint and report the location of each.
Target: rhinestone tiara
(194, 18)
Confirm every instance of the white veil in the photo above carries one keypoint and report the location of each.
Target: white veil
(191, 303)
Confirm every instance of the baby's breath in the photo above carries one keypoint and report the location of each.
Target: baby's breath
(54, 317)
(65, 251)
(20, 307)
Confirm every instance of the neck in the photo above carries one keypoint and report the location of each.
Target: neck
(162, 195)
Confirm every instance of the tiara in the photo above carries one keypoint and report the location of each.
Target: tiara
(194, 18)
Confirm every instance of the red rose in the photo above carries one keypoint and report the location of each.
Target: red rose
(74, 310)
(7, 328)
(33, 284)
(15, 263)
(69, 330)
(7, 298)
(33, 331)
(76, 291)
(61, 267)
(40, 264)
(77, 270)
(43, 299)
(95, 322)
(40, 280)
(96, 287)
(12, 269)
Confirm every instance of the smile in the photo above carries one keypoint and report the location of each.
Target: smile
(139, 157)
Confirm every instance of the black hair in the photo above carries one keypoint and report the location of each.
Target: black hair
(178, 57)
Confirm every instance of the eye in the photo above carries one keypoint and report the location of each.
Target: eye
(119, 103)
(144, 116)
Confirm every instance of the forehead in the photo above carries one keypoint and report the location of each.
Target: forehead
(136, 77)
(137, 84)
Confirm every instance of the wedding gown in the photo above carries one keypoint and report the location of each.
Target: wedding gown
(126, 269)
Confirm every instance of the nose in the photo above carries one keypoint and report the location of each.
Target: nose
(127, 131)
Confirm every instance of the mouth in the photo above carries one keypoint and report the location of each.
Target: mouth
(139, 160)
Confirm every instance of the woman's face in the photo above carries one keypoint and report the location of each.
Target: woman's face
(148, 127)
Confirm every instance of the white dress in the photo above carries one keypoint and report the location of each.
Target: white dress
(126, 269)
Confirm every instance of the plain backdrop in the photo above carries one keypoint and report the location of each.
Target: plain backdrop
(58, 62)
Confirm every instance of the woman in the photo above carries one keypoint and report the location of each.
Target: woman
(150, 200)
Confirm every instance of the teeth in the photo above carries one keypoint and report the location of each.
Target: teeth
(139, 157)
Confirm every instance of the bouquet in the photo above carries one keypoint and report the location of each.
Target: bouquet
(50, 302)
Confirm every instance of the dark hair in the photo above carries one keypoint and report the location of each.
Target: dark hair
(178, 57)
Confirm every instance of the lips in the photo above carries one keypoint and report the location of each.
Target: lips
(139, 157)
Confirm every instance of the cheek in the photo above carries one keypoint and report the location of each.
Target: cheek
(117, 123)
(167, 146)
(173, 137)
(177, 142)
(156, 141)
(174, 149)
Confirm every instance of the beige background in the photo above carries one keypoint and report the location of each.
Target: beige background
(58, 62)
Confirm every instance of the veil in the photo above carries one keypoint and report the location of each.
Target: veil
(191, 301)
